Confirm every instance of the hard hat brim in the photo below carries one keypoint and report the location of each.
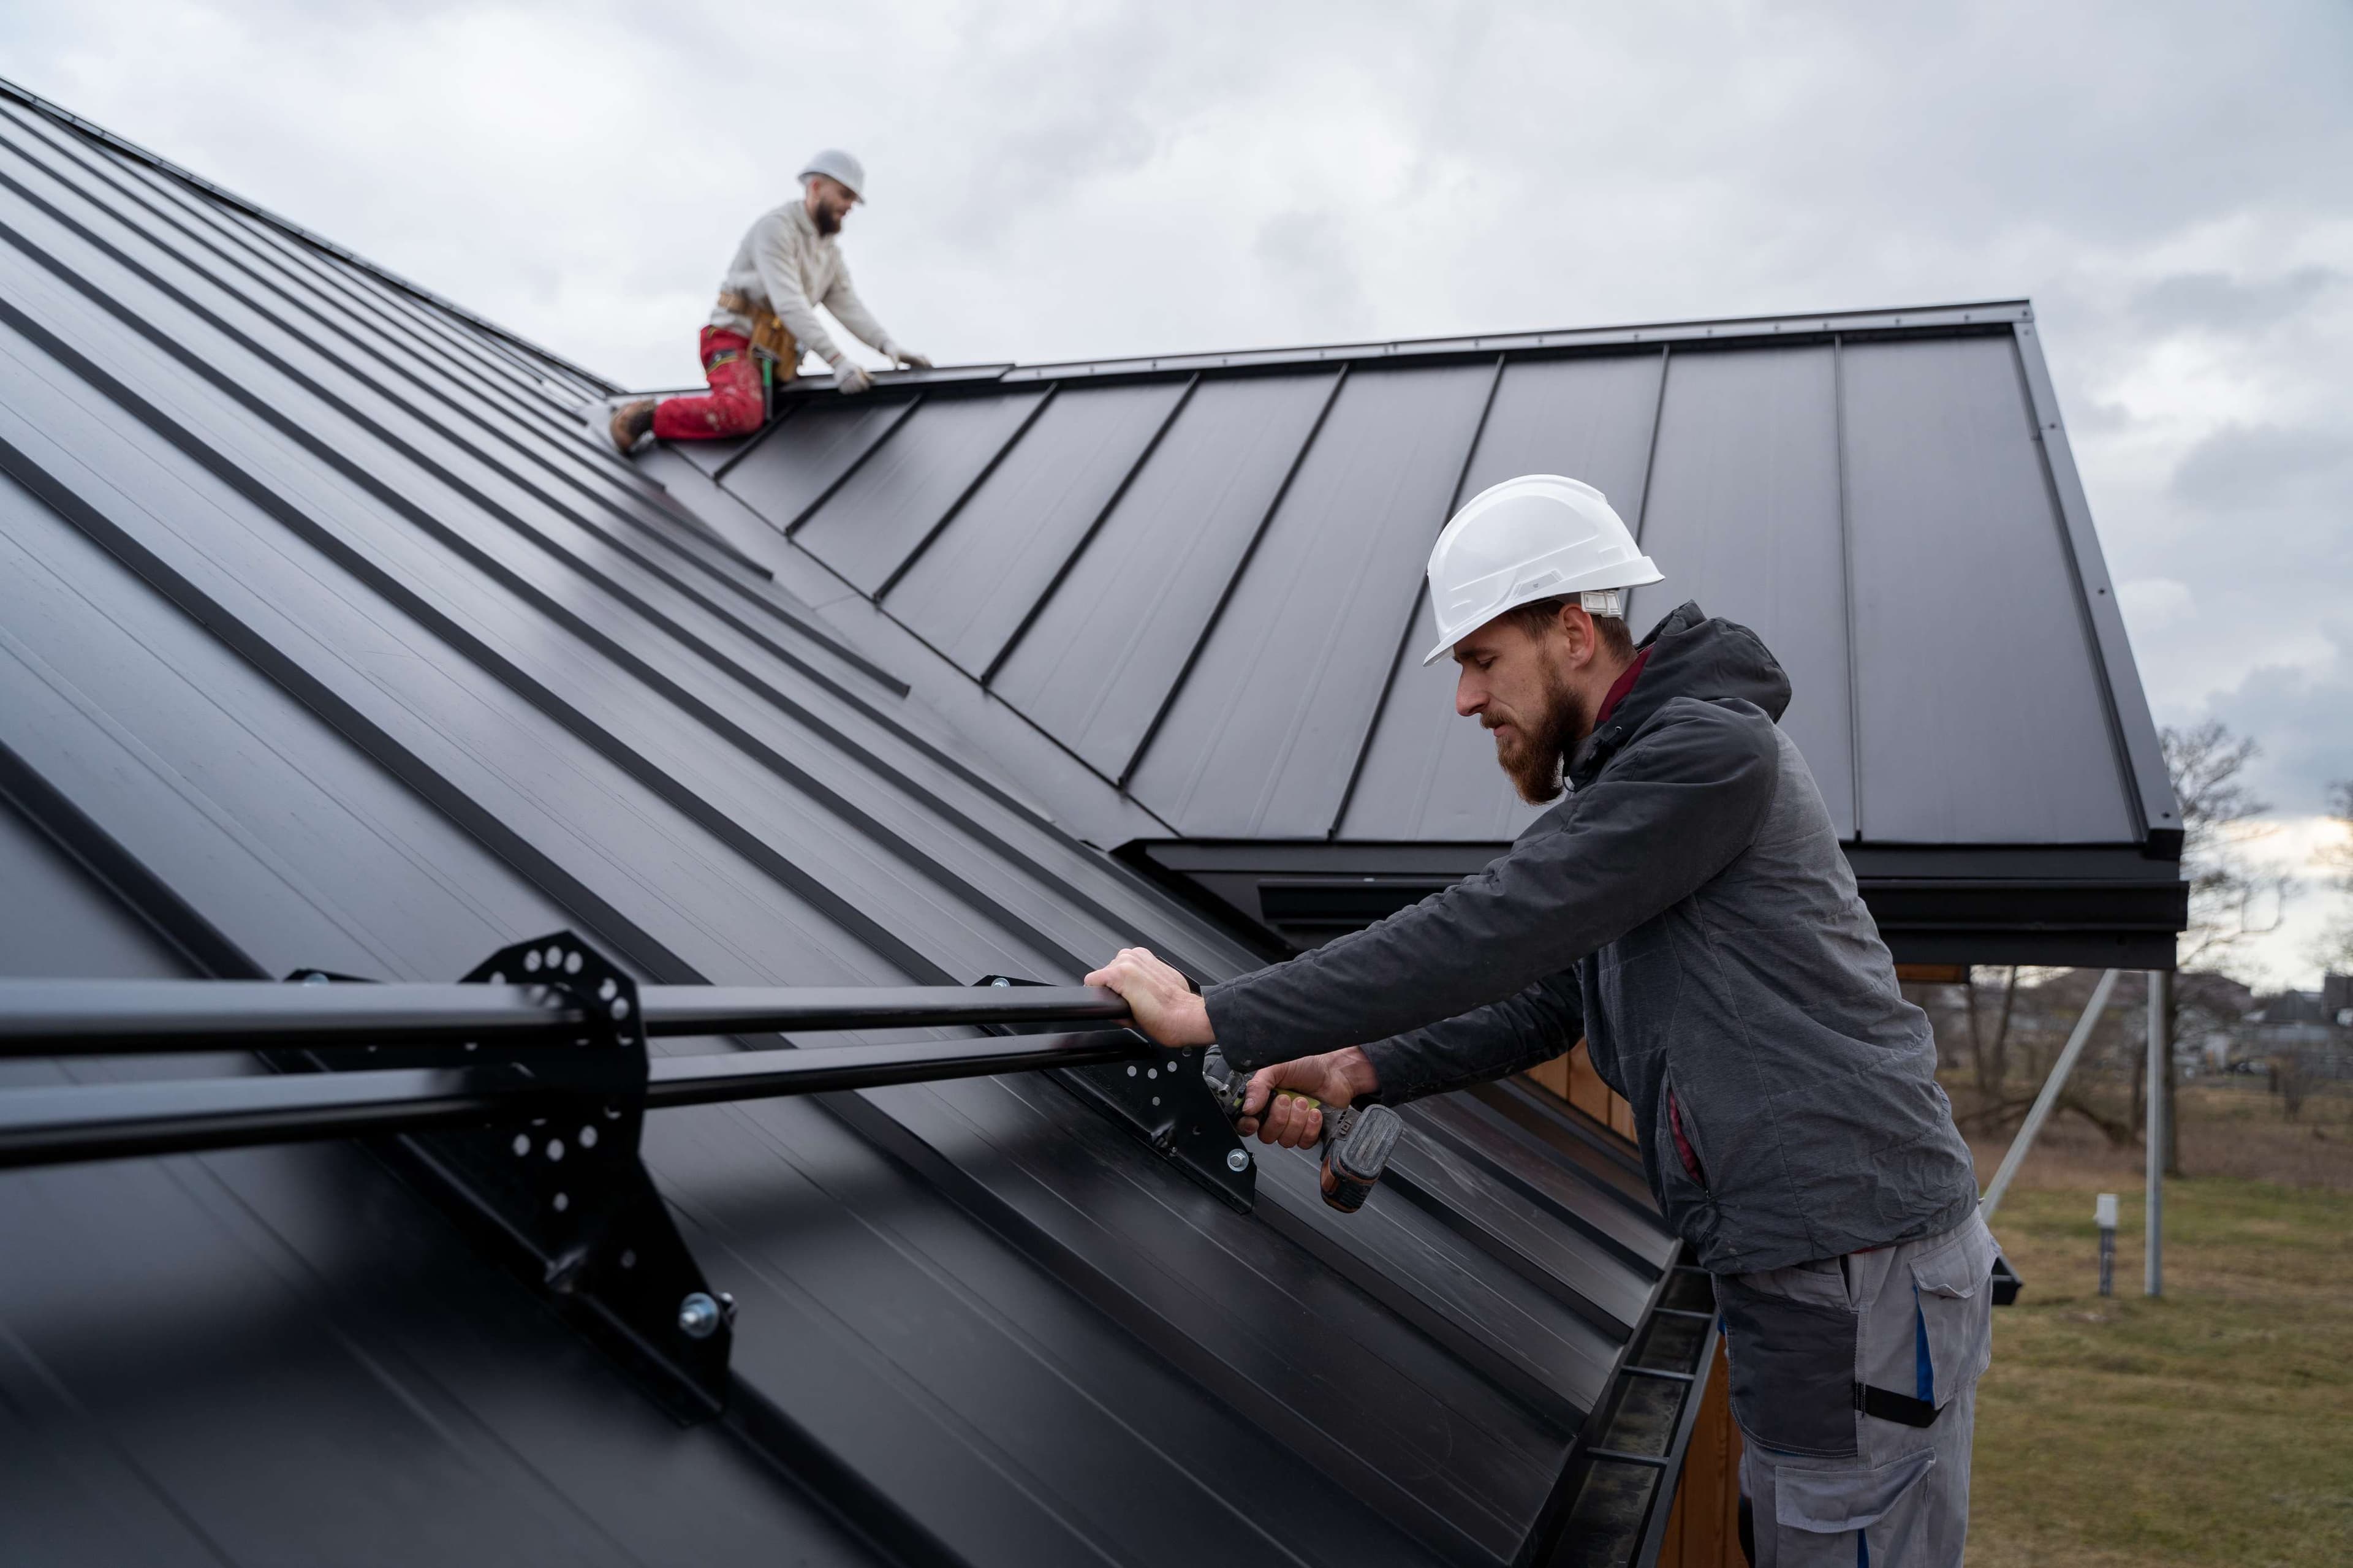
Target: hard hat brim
(1645, 573)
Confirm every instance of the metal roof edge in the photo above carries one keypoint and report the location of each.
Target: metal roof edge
(1925, 319)
(95, 133)
(1988, 316)
(2134, 729)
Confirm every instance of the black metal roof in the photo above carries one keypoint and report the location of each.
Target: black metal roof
(1198, 578)
(327, 640)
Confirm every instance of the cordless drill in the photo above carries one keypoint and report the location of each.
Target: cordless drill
(1357, 1140)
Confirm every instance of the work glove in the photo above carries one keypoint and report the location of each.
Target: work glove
(910, 358)
(850, 379)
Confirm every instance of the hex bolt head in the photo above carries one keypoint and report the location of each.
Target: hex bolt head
(698, 1316)
(1236, 1161)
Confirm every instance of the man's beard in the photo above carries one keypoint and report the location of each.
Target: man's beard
(1535, 759)
(827, 221)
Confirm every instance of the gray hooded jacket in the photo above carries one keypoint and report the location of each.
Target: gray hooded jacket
(1688, 911)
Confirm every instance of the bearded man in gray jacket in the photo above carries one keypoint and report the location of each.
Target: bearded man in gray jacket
(1687, 910)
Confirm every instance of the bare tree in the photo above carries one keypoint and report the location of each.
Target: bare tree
(2230, 899)
(2337, 948)
(1989, 1043)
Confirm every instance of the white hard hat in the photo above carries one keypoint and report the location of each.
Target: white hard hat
(836, 164)
(1535, 537)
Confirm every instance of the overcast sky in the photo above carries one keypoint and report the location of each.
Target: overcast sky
(2172, 184)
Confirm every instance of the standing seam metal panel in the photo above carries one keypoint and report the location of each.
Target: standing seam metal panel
(1966, 598)
(774, 759)
(1743, 516)
(881, 513)
(1096, 665)
(1430, 774)
(1259, 741)
(970, 590)
(723, 662)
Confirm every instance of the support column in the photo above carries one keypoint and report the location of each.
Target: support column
(2160, 1051)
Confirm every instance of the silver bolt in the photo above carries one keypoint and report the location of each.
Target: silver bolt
(1236, 1161)
(698, 1316)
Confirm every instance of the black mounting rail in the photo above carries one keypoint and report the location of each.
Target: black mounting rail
(516, 1097)
(73, 1017)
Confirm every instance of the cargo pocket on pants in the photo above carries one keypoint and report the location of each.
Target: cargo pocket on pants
(1792, 1370)
(1953, 1316)
(1812, 1508)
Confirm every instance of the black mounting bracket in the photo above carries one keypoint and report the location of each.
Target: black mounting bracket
(563, 1198)
(1167, 1104)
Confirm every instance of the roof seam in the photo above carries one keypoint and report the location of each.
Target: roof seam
(971, 489)
(432, 424)
(1405, 634)
(1846, 583)
(1103, 515)
(849, 917)
(128, 149)
(1233, 580)
(422, 780)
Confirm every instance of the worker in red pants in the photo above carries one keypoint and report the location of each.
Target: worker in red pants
(787, 265)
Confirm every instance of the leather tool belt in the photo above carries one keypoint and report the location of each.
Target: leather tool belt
(772, 340)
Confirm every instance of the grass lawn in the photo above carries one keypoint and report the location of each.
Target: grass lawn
(2214, 1425)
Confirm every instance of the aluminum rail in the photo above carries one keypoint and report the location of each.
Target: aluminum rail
(57, 1124)
(93, 1017)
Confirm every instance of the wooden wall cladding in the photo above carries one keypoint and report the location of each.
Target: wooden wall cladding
(1573, 1079)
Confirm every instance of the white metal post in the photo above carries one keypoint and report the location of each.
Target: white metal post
(2160, 1046)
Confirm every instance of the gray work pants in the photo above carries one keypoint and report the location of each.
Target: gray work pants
(1828, 1482)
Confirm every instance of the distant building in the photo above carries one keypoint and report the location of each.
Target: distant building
(2316, 1025)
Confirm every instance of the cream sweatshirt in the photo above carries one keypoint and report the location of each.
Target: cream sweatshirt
(784, 260)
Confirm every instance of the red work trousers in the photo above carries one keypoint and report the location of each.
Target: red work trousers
(735, 404)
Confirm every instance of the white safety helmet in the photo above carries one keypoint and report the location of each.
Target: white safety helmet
(836, 164)
(1539, 536)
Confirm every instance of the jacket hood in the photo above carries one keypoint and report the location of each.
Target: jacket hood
(1691, 654)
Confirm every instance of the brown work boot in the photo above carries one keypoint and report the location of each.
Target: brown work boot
(630, 423)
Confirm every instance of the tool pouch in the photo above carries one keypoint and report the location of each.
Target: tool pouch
(773, 347)
(1356, 1152)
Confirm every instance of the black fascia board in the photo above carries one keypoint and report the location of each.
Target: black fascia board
(2105, 906)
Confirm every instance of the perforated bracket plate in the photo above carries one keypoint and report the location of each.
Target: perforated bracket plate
(564, 1198)
(1166, 1103)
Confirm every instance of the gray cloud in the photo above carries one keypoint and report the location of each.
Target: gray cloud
(1309, 252)
(2216, 301)
(2242, 467)
(2303, 718)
